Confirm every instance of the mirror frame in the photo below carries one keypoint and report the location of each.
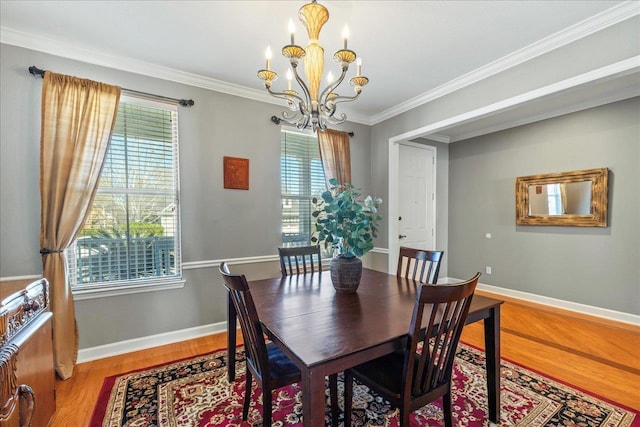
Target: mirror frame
(598, 215)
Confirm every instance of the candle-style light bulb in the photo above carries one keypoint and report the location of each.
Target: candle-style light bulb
(289, 78)
(359, 66)
(345, 36)
(330, 77)
(268, 54)
(292, 31)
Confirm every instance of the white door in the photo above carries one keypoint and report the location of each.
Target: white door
(416, 209)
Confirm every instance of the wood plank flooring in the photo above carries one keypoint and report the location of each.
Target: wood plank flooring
(604, 374)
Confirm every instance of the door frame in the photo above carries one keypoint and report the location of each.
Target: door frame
(394, 182)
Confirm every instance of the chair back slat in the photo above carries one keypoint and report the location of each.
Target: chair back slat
(431, 349)
(420, 265)
(300, 260)
(252, 334)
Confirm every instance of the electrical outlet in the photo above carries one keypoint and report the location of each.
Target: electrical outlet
(487, 270)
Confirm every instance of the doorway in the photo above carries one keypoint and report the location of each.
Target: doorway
(412, 198)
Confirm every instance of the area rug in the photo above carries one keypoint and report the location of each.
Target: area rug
(195, 392)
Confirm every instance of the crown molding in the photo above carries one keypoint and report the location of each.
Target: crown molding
(592, 25)
(618, 69)
(589, 26)
(71, 51)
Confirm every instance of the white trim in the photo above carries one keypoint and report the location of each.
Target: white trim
(606, 98)
(80, 294)
(72, 51)
(393, 193)
(604, 313)
(607, 18)
(143, 343)
(618, 69)
(438, 138)
(215, 263)
(380, 250)
(16, 278)
(601, 21)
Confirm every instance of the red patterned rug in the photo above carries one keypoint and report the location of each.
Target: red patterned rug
(195, 392)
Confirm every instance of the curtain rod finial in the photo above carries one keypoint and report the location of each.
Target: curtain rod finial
(35, 71)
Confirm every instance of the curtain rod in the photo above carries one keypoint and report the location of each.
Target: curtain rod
(276, 121)
(184, 102)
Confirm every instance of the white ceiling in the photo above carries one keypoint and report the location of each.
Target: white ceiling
(410, 49)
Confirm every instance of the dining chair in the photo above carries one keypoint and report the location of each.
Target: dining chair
(420, 265)
(271, 368)
(300, 260)
(411, 378)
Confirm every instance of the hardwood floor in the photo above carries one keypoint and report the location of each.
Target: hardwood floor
(599, 358)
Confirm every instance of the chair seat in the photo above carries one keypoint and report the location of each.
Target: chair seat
(385, 371)
(280, 366)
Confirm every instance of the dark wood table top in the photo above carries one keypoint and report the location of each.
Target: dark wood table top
(319, 325)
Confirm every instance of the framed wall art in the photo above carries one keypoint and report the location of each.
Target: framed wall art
(236, 173)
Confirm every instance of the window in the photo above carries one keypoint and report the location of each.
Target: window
(131, 238)
(554, 199)
(302, 178)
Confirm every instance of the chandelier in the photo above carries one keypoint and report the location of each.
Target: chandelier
(313, 109)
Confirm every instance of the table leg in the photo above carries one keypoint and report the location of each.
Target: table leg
(231, 339)
(313, 398)
(492, 348)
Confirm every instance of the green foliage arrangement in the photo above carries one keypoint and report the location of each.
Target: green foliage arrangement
(344, 221)
(136, 229)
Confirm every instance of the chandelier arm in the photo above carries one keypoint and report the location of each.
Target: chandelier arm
(303, 85)
(283, 95)
(329, 89)
(292, 120)
(339, 99)
(335, 121)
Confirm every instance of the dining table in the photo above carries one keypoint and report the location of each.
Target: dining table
(325, 332)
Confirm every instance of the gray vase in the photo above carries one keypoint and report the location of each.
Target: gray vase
(345, 273)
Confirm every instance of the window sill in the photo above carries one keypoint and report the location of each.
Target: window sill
(134, 288)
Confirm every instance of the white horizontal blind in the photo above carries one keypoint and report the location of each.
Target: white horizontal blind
(302, 178)
(132, 234)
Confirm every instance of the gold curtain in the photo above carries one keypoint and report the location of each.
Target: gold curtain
(335, 155)
(77, 119)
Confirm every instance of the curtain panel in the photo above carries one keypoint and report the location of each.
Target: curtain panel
(335, 155)
(77, 119)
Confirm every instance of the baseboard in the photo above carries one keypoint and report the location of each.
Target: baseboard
(611, 315)
(143, 343)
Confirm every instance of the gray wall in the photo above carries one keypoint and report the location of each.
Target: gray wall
(222, 224)
(588, 265)
(216, 223)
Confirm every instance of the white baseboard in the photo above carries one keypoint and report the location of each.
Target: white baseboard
(604, 313)
(143, 343)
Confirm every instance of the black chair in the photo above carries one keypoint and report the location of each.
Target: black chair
(421, 373)
(300, 260)
(420, 265)
(270, 366)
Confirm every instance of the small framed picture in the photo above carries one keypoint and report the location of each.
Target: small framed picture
(236, 173)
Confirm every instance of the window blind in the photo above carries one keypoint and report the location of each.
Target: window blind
(302, 178)
(132, 233)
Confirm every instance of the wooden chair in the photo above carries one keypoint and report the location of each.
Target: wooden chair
(300, 260)
(420, 265)
(270, 366)
(418, 375)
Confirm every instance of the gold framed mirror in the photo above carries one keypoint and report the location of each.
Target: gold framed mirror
(577, 198)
